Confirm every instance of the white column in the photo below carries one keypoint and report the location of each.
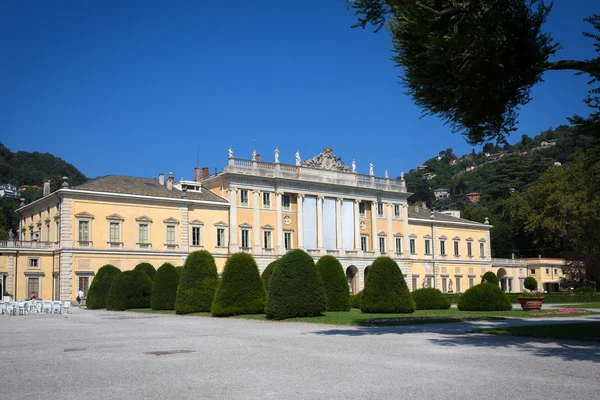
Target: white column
(338, 223)
(279, 226)
(374, 225)
(390, 230)
(256, 222)
(356, 225)
(233, 228)
(300, 233)
(320, 223)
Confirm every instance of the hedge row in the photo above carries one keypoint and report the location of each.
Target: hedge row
(549, 298)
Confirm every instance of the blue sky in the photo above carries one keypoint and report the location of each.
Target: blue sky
(134, 88)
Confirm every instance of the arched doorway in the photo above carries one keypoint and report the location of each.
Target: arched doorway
(352, 276)
(505, 283)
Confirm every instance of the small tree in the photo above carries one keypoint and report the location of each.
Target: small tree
(147, 268)
(386, 290)
(430, 299)
(530, 283)
(335, 283)
(241, 290)
(295, 288)
(484, 297)
(490, 277)
(266, 275)
(197, 284)
(98, 291)
(129, 289)
(164, 291)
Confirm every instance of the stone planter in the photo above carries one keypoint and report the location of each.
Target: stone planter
(530, 303)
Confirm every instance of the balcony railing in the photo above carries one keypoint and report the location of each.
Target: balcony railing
(24, 244)
(509, 262)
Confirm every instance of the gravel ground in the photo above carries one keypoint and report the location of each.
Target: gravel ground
(110, 355)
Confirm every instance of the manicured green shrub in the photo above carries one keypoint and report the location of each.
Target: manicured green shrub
(129, 289)
(295, 288)
(241, 290)
(164, 291)
(335, 283)
(430, 299)
(584, 289)
(266, 275)
(197, 284)
(386, 290)
(530, 283)
(147, 268)
(356, 300)
(484, 297)
(98, 291)
(490, 277)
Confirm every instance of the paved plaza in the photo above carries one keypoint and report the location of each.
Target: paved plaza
(111, 355)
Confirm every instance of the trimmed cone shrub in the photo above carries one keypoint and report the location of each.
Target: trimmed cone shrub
(490, 277)
(295, 288)
(356, 300)
(129, 289)
(197, 284)
(98, 291)
(335, 284)
(266, 275)
(530, 283)
(580, 289)
(147, 268)
(241, 290)
(164, 291)
(386, 290)
(484, 297)
(430, 299)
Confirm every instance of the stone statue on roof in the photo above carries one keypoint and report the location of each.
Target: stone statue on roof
(386, 174)
(230, 152)
(371, 168)
(297, 158)
(254, 155)
(353, 166)
(276, 155)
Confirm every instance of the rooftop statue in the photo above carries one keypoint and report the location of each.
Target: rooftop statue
(328, 161)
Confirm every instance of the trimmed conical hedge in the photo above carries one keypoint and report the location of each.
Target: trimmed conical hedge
(98, 291)
(386, 291)
(147, 268)
(357, 300)
(164, 291)
(129, 289)
(430, 299)
(335, 283)
(198, 283)
(490, 277)
(266, 275)
(295, 288)
(241, 290)
(484, 297)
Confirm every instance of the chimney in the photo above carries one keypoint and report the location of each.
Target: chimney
(258, 157)
(161, 179)
(170, 181)
(196, 174)
(204, 172)
(46, 187)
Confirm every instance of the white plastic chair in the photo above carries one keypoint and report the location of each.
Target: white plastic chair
(56, 307)
(47, 307)
(21, 308)
(39, 306)
(3, 308)
(66, 308)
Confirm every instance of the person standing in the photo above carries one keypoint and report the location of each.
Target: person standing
(80, 295)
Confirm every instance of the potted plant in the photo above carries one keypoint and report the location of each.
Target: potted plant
(531, 299)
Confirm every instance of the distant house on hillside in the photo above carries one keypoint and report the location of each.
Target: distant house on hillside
(421, 167)
(474, 197)
(22, 188)
(429, 176)
(548, 143)
(9, 191)
(453, 161)
(452, 213)
(470, 168)
(441, 193)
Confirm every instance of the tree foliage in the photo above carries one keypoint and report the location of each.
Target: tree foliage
(484, 297)
(98, 291)
(430, 299)
(198, 283)
(146, 268)
(490, 277)
(530, 283)
(386, 290)
(266, 275)
(129, 289)
(335, 283)
(164, 291)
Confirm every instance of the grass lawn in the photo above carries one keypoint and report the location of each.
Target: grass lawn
(576, 331)
(582, 305)
(356, 317)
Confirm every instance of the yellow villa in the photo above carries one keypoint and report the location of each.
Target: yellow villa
(263, 208)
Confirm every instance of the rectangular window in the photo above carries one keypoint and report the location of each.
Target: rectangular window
(397, 211)
(380, 209)
(547, 271)
(34, 263)
(171, 235)
(84, 284)
(266, 200)
(195, 236)
(267, 240)
(114, 233)
(413, 247)
(286, 201)
(430, 282)
(245, 237)
(47, 232)
(382, 245)
(143, 233)
(469, 249)
(220, 237)
(398, 245)
(84, 232)
(33, 285)
(458, 288)
(443, 247)
(57, 231)
(456, 249)
(555, 271)
(56, 286)
(287, 240)
(415, 282)
(363, 243)
(471, 282)
(532, 271)
(481, 249)
(243, 197)
(444, 285)
(427, 247)
(361, 209)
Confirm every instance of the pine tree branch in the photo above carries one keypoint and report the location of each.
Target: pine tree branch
(582, 66)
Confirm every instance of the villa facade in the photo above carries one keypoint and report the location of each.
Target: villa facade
(263, 208)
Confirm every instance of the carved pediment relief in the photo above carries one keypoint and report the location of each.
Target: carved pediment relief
(143, 218)
(268, 227)
(328, 161)
(245, 225)
(171, 220)
(84, 214)
(196, 222)
(221, 224)
(115, 217)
